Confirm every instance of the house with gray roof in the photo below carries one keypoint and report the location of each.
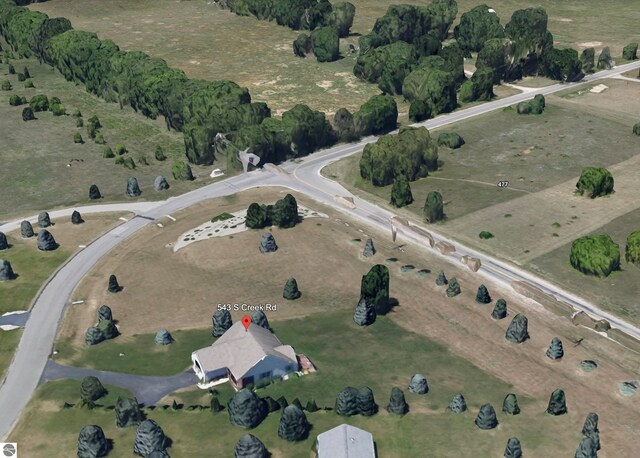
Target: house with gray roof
(244, 356)
(345, 441)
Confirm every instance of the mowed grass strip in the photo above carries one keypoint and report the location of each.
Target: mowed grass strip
(380, 356)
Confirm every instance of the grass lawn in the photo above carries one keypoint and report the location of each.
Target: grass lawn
(8, 342)
(380, 356)
(49, 170)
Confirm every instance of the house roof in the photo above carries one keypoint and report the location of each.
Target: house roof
(345, 441)
(239, 350)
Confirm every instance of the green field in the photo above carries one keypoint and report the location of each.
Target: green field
(36, 154)
(345, 355)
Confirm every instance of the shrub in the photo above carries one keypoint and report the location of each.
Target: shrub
(326, 44)
(58, 109)
(6, 85)
(486, 235)
(376, 116)
(119, 160)
(107, 152)
(26, 72)
(79, 122)
(12, 70)
(120, 149)
(99, 139)
(630, 52)
(302, 45)
(595, 255)
(128, 163)
(181, 171)
(28, 84)
(159, 154)
(595, 181)
(39, 103)
(77, 138)
(450, 139)
(15, 100)
(142, 159)
(632, 249)
(21, 77)
(636, 128)
(433, 207)
(27, 114)
(77, 114)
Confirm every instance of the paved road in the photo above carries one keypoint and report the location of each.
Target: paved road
(303, 176)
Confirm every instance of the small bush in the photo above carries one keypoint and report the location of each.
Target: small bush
(28, 84)
(15, 100)
(159, 154)
(107, 152)
(6, 85)
(26, 73)
(12, 70)
(77, 138)
(128, 163)
(182, 171)
(100, 139)
(39, 103)
(486, 235)
(92, 131)
(79, 122)
(21, 77)
(142, 159)
(120, 149)
(27, 114)
(58, 109)
(119, 160)
(77, 114)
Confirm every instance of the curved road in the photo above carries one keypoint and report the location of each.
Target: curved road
(303, 176)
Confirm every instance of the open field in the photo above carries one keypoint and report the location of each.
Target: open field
(212, 44)
(34, 267)
(344, 355)
(410, 339)
(612, 293)
(36, 154)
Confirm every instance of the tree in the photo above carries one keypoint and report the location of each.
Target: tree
(418, 384)
(450, 139)
(587, 58)
(302, 45)
(376, 116)
(590, 429)
(442, 279)
(149, 438)
(28, 84)
(182, 171)
(497, 55)
(458, 404)
(476, 27)
(133, 190)
(92, 442)
(93, 336)
(636, 128)
(221, 322)
(6, 85)
(326, 44)
(108, 329)
(366, 403)
(249, 446)
(44, 220)
(510, 404)
(104, 313)
(285, 212)
(11, 69)
(27, 114)
(397, 404)
(632, 248)
(401, 192)
(46, 242)
(294, 425)
(595, 255)
(39, 103)
(528, 30)
(517, 331)
(499, 310)
(365, 313)
(100, 139)
(91, 390)
(630, 52)
(246, 409)
(419, 111)
(128, 412)
(15, 100)
(259, 318)
(586, 449)
(344, 126)
(215, 405)
(77, 138)
(374, 288)
(347, 402)
(561, 65)
(163, 337)
(454, 288)
(113, 286)
(482, 296)
(595, 181)
(291, 291)
(513, 449)
(159, 154)
(26, 229)
(341, 17)
(555, 350)
(387, 65)
(256, 216)
(433, 207)
(94, 192)
(557, 403)
(605, 62)
(120, 149)
(436, 87)
(6, 271)
(535, 106)
(4, 245)
(107, 152)
(486, 418)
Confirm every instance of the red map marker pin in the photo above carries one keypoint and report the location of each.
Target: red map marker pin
(246, 321)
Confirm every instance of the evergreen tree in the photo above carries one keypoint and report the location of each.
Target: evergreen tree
(294, 425)
(418, 384)
(365, 313)
(27, 114)
(374, 288)
(366, 403)
(347, 402)
(590, 424)
(291, 291)
(482, 296)
(296, 402)
(246, 409)
(272, 404)
(513, 449)
(397, 404)
(92, 442)
(433, 207)
(311, 406)
(76, 218)
(133, 190)
(499, 310)
(555, 350)
(249, 446)
(442, 279)
(510, 404)
(258, 317)
(454, 288)
(221, 322)
(517, 331)
(128, 412)
(94, 192)
(282, 402)
(26, 229)
(458, 404)
(215, 405)
(285, 212)
(4, 245)
(256, 216)
(77, 138)
(149, 438)
(91, 390)
(586, 449)
(401, 192)
(557, 403)
(486, 418)
(113, 286)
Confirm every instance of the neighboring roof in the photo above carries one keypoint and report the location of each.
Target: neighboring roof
(346, 441)
(239, 350)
